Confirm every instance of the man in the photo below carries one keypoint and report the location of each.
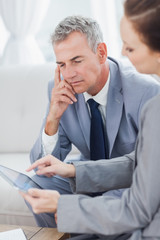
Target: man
(87, 73)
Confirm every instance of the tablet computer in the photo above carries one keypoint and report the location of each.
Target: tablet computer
(17, 180)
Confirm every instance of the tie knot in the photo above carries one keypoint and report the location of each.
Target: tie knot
(93, 104)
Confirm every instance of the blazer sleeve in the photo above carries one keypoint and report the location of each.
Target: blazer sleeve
(138, 205)
(103, 175)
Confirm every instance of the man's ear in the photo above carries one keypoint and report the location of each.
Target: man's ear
(102, 52)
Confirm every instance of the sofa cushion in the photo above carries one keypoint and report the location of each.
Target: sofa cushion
(23, 102)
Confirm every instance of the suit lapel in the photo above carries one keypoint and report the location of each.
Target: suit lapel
(114, 105)
(83, 118)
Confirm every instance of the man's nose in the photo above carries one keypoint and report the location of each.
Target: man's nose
(69, 73)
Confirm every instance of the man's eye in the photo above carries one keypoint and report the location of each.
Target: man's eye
(61, 65)
(78, 61)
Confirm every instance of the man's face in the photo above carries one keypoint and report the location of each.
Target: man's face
(79, 65)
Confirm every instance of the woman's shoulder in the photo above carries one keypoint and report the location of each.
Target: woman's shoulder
(152, 108)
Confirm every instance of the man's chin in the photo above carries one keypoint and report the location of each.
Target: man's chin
(78, 90)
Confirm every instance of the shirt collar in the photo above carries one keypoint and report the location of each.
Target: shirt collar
(100, 97)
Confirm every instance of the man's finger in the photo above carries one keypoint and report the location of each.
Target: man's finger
(65, 84)
(68, 93)
(57, 78)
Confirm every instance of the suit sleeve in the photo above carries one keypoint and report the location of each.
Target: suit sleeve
(138, 205)
(103, 175)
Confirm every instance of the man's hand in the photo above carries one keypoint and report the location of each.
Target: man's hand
(42, 200)
(50, 166)
(62, 96)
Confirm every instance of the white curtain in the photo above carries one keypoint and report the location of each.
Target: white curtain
(105, 12)
(23, 19)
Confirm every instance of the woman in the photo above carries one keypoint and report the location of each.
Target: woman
(138, 211)
(140, 31)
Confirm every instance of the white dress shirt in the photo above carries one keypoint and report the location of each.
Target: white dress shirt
(49, 142)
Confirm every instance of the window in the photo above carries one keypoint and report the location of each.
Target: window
(106, 12)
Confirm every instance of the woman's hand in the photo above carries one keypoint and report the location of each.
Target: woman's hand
(51, 166)
(42, 200)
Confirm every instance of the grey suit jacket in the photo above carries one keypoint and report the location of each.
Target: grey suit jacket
(128, 91)
(138, 209)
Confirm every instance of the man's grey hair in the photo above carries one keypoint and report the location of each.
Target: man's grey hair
(86, 26)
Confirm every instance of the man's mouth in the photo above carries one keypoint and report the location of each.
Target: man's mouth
(74, 83)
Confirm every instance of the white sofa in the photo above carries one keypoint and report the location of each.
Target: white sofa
(23, 102)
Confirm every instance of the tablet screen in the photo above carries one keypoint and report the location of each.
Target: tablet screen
(17, 179)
